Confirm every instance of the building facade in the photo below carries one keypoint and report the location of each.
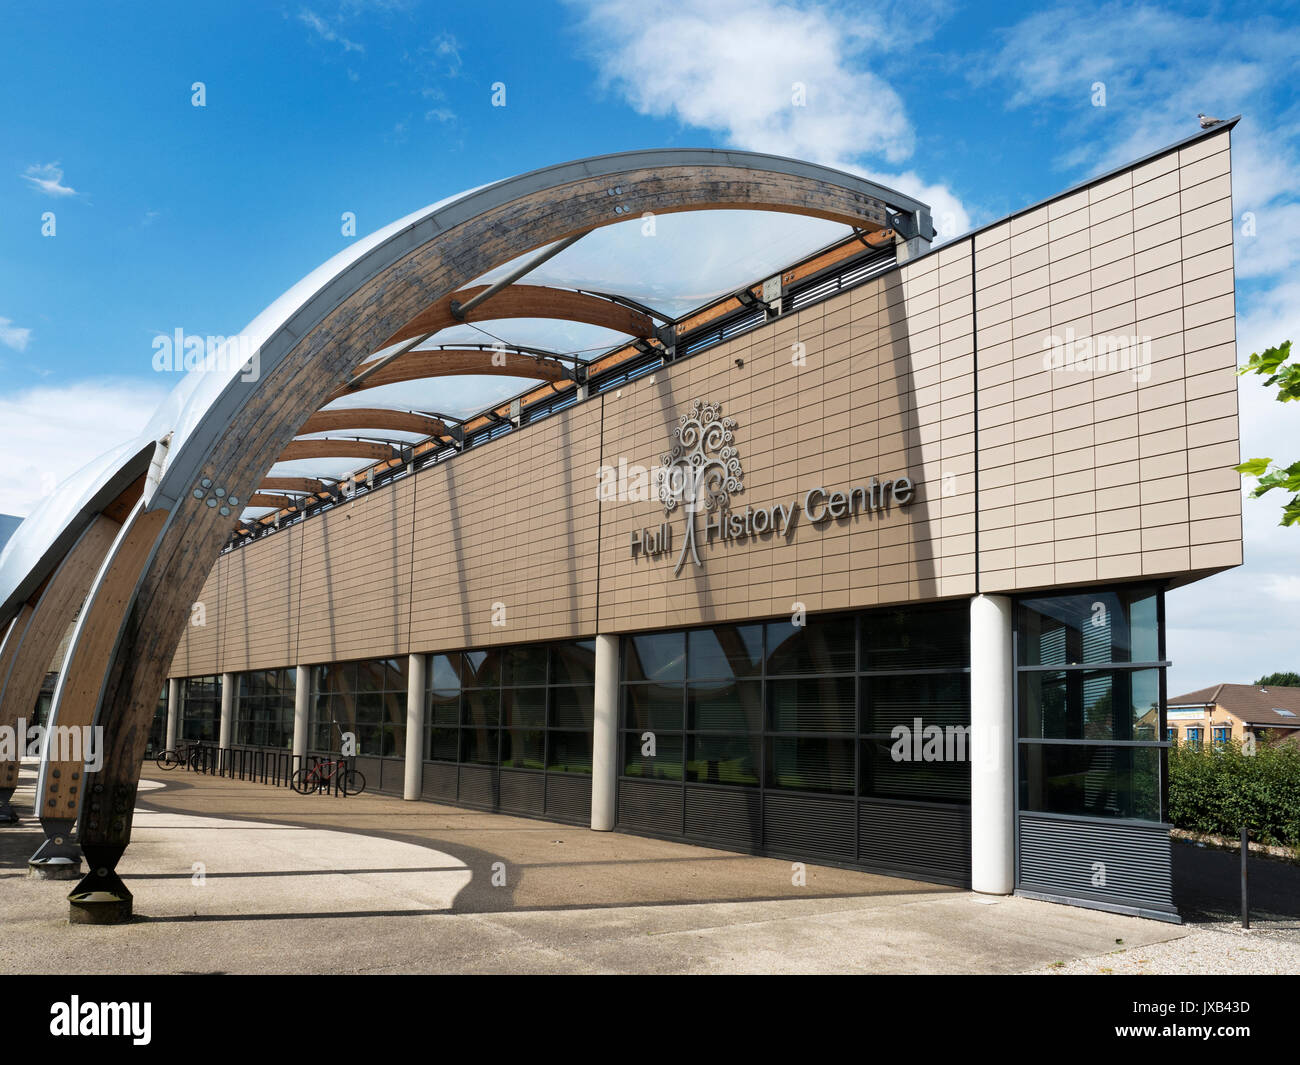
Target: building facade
(872, 574)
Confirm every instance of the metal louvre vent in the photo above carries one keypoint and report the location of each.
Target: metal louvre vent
(827, 287)
(799, 824)
(933, 839)
(1122, 863)
(439, 781)
(729, 816)
(478, 785)
(523, 790)
(568, 798)
(653, 807)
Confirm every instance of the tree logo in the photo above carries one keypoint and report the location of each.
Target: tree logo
(702, 472)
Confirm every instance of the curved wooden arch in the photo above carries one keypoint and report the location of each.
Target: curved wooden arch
(293, 484)
(244, 429)
(418, 365)
(262, 499)
(328, 449)
(526, 301)
(328, 421)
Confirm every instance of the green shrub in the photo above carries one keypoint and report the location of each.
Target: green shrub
(1217, 789)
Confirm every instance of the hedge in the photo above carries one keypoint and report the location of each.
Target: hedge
(1218, 788)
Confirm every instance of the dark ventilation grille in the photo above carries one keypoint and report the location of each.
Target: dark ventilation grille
(725, 815)
(1067, 858)
(799, 825)
(651, 807)
(439, 781)
(522, 791)
(823, 288)
(568, 798)
(478, 785)
(392, 779)
(926, 839)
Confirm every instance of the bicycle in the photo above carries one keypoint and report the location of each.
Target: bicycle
(323, 774)
(191, 756)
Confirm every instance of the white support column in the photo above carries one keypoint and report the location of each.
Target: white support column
(228, 684)
(604, 736)
(992, 746)
(413, 787)
(173, 712)
(301, 701)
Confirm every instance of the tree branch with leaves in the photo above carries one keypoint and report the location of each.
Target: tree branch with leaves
(1283, 374)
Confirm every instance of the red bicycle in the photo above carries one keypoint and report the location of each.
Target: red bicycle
(324, 774)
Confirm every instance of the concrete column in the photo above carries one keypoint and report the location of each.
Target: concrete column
(173, 712)
(992, 746)
(301, 702)
(229, 682)
(604, 736)
(416, 666)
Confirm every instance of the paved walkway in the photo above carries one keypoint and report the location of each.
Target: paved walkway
(238, 877)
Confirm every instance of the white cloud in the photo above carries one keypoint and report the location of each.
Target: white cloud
(787, 78)
(51, 432)
(327, 32)
(12, 336)
(48, 179)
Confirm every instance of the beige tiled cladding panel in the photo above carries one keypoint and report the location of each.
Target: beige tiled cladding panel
(353, 582)
(1084, 476)
(1144, 453)
(508, 534)
(894, 399)
(197, 653)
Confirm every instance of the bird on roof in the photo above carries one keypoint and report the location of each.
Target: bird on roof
(1208, 120)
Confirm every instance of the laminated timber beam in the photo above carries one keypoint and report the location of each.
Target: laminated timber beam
(419, 365)
(326, 421)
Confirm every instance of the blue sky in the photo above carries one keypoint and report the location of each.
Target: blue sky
(173, 216)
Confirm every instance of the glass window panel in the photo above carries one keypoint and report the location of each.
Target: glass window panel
(936, 698)
(523, 707)
(725, 706)
(1088, 627)
(482, 669)
(478, 745)
(725, 651)
(892, 770)
(444, 674)
(525, 665)
(572, 708)
(523, 749)
(655, 656)
(370, 709)
(393, 740)
(1090, 704)
(1091, 780)
(821, 646)
(394, 707)
(574, 662)
(368, 740)
(916, 638)
(714, 759)
(812, 704)
(665, 764)
(811, 763)
(569, 752)
(654, 707)
(482, 708)
(442, 745)
(444, 709)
